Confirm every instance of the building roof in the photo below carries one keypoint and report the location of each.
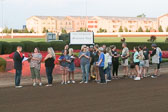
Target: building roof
(98, 17)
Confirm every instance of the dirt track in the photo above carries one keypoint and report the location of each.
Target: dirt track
(148, 95)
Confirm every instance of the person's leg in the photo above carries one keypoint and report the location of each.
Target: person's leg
(117, 66)
(87, 67)
(83, 72)
(109, 75)
(137, 70)
(38, 77)
(50, 69)
(17, 77)
(73, 75)
(113, 71)
(33, 75)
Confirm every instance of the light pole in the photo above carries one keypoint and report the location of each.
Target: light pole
(2, 16)
(86, 15)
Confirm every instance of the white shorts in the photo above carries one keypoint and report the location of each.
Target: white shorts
(125, 62)
(146, 63)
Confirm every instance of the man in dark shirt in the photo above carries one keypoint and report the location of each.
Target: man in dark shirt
(18, 57)
(146, 60)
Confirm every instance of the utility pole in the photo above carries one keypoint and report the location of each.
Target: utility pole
(2, 16)
(86, 16)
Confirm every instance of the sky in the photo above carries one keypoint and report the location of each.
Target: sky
(15, 12)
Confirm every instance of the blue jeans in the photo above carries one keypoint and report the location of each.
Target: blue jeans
(17, 77)
(109, 71)
(49, 71)
(85, 72)
(102, 75)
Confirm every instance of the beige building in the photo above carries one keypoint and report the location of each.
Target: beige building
(94, 23)
(163, 21)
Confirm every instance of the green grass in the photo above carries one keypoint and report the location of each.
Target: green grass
(97, 39)
(128, 39)
(23, 39)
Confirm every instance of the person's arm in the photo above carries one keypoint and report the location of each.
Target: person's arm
(153, 52)
(87, 55)
(48, 56)
(100, 62)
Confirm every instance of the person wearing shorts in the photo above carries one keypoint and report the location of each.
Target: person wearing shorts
(155, 60)
(136, 63)
(71, 67)
(64, 62)
(146, 60)
(124, 56)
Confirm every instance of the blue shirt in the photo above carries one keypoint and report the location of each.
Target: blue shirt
(64, 63)
(136, 57)
(101, 57)
(83, 59)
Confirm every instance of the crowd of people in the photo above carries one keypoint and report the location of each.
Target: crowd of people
(99, 63)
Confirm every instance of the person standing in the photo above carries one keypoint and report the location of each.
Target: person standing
(125, 56)
(100, 64)
(141, 59)
(95, 60)
(35, 65)
(18, 58)
(115, 61)
(136, 63)
(71, 66)
(146, 60)
(64, 62)
(49, 64)
(84, 57)
(155, 60)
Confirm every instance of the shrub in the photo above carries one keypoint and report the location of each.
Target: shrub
(0, 48)
(2, 65)
(43, 45)
(14, 45)
(6, 48)
(57, 46)
(65, 37)
(29, 46)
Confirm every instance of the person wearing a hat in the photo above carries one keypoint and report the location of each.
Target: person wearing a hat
(155, 60)
(100, 64)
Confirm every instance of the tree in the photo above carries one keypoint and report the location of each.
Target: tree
(102, 30)
(120, 29)
(140, 29)
(45, 30)
(147, 30)
(141, 15)
(32, 30)
(83, 29)
(64, 31)
(126, 29)
(25, 30)
(160, 29)
(167, 29)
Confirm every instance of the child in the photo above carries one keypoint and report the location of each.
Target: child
(71, 66)
(64, 60)
(132, 66)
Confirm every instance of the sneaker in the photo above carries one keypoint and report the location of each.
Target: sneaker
(65, 83)
(108, 80)
(137, 78)
(153, 76)
(73, 82)
(18, 86)
(69, 82)
(86, 82)
(62, 82)
(40, 84)
(48, 85)
(81, 82)
(34, 84)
